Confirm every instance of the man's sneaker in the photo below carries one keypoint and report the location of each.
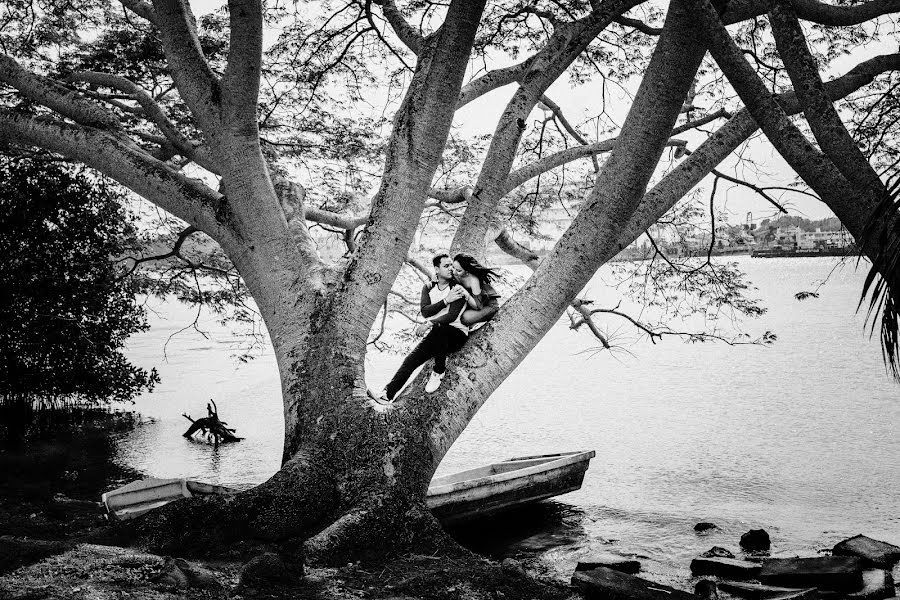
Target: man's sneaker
(434, 382)
(380, 397)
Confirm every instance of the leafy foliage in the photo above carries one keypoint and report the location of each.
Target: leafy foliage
(64, 312)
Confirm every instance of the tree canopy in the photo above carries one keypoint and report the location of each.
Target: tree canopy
(263, 121)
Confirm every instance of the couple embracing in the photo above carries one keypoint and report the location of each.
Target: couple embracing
(460, 297)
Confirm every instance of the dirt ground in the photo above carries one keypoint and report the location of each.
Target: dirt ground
(50, 485)
(104, 572)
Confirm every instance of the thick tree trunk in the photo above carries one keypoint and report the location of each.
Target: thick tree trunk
(353, 482)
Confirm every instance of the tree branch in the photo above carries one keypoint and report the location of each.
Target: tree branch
(557, 112)
(639, 25)
(816, 12)
(506, 243)
(823, 119)
(455, 196)
(691, 171)
(490, 81)
(141, 9)
(187, 199)
(240, 83)
(150, 108)
(55, 96)
(174, 252)
(586, 319)
(755, 188)
(694, 123)
(326, 217)
(411, 38)
(523, 174)
(198, 85)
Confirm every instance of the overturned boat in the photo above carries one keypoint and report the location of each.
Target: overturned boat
(452, 498)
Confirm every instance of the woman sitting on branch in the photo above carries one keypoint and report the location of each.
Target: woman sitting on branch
(482, 300)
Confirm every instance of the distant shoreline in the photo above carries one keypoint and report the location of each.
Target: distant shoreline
(753, 253)
(779, 253)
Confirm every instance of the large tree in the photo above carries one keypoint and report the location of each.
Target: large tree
(354, 478)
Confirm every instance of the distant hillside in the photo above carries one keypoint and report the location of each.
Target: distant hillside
(829, 224)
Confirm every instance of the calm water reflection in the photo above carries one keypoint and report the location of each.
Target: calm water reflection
(799, 438)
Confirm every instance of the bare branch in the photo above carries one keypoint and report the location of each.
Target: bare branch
(587, 320)
(757, 189)
(557, 112)
(694, 123)
(506, 243)
(387, 44)
(174, 252)
(326, 217)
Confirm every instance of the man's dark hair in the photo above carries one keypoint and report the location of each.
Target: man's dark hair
(436, 261)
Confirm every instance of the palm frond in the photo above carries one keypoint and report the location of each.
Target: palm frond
(882, 283)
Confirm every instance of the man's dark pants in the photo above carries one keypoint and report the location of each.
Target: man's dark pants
(437, 344)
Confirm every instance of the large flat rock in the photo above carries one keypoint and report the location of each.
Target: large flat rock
(843, 573)
(612, 561)
(759, 591)
(608, 584)
(731, 568)
(877, 584)
(874, 552)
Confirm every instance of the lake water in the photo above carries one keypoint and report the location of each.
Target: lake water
(799, 438)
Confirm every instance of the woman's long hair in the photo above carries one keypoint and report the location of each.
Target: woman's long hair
(471, 265)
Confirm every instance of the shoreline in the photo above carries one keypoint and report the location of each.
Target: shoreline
(51, 521)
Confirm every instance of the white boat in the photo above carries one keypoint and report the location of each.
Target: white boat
(139, 497)
(451, 498)
(495, 487)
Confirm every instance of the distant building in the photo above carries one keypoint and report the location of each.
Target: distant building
(796, 239)
(808, 240)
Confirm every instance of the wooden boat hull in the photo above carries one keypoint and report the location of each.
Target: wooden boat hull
(139, 497)
(452, 498)
(487, 490)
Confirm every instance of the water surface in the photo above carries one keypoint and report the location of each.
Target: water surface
(798, 438)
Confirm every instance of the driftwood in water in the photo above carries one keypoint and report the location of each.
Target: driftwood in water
(211, 426)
